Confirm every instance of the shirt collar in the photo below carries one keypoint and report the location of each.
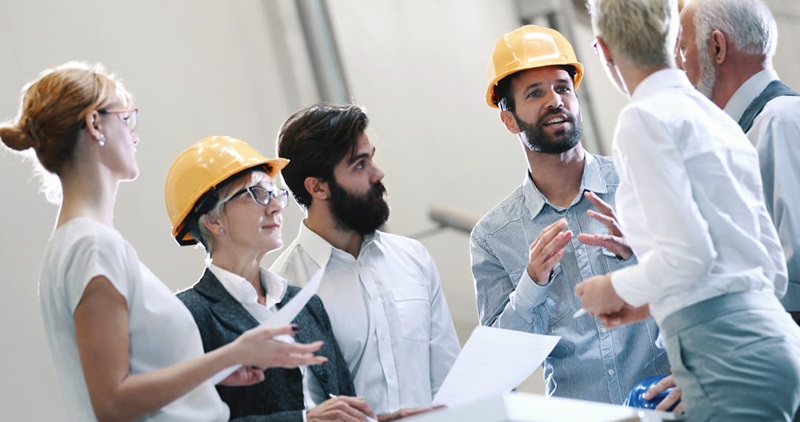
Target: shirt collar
(244, 292)
(317, 248)
(661, 80)
(591, 180)
(320, 250)
(749, 90)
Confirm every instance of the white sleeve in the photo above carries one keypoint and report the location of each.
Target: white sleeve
(443, 343)
(682, 247)
(95, 253)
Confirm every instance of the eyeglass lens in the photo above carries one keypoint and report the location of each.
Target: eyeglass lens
(262, 196)
(131, 119)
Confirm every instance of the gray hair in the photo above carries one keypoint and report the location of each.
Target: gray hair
(226, 191)
(747, 23)
(642, 31)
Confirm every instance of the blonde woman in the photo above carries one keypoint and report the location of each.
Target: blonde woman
(691, 205)
(123, 346)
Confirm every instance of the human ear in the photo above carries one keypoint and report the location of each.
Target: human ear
(316, 187)
(719, 46)
(92, 124)
(507, 117)
(214, 224)
(603, 51)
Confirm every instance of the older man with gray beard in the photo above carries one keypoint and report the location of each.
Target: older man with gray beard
(726, 48)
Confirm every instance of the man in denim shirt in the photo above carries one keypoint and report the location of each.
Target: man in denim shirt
(526, 259)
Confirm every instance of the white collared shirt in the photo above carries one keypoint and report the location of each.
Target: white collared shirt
(388, 313)
(275, 288)
(689, 201)
(774, 134)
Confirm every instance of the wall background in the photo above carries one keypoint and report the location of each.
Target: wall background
(203, 67)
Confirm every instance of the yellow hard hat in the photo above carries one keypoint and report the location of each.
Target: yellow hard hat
(529, 47)
(199, 169)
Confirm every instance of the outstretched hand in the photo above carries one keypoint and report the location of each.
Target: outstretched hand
(613, 240)
(259, 347)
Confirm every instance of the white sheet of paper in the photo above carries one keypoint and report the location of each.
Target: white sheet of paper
(289, 311)
(493, 361)
(284, 316)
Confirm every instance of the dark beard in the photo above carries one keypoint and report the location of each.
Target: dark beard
(536, 140)
(362, 214)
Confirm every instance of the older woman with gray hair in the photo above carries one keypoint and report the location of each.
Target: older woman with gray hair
(691, 205)
(221, 193)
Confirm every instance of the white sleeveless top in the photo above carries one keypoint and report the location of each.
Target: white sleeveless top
(162, 331)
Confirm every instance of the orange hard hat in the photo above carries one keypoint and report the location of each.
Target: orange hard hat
(201, 168)
(529, 47)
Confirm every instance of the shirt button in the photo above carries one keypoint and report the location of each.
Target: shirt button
(390, 376)
(610, 372)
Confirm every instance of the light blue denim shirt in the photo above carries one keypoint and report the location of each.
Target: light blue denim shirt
(605, 363)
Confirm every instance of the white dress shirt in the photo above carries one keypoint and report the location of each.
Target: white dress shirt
(275, 288)
(388, 312)
(689, 201)
(774, 133)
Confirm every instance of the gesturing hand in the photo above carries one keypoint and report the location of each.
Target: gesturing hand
(547, 250)
(614, 241)
(598, 296)
(258, 347)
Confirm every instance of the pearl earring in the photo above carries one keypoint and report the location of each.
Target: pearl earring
(221, 231)
(102, 141)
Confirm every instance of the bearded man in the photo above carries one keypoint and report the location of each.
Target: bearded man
(526, 259)
(382, 291)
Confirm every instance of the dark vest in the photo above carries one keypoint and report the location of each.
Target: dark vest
(774, 89)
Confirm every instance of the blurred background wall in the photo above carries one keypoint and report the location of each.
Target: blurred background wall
(240, 68)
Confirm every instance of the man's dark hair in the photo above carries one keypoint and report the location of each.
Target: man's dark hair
(505, 98)
(315, 139)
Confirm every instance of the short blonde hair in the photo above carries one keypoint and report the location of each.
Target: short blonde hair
(642, 31)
